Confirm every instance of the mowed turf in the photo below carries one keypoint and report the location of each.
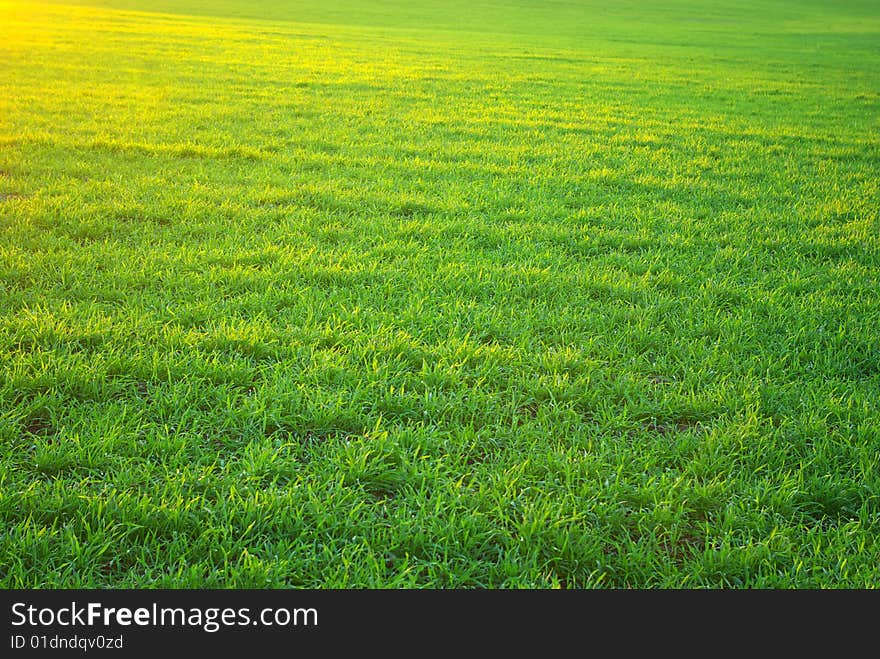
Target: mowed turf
(440, 294)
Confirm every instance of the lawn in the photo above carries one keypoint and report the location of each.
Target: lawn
(484, 294)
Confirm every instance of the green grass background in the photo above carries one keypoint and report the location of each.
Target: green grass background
(440, 294)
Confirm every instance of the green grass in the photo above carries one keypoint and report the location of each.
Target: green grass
(440, 294)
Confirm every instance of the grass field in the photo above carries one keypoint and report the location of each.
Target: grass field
(495, 293)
